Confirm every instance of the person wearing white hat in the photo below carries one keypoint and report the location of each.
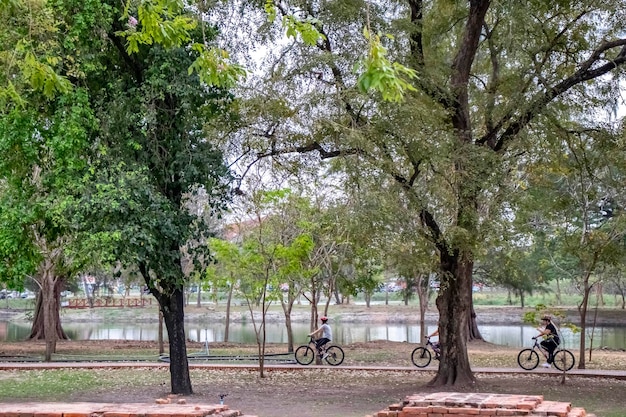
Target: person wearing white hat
(322, 335)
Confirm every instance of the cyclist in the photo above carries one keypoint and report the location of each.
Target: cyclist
(326, 334)
(436, 345)
(550, 339)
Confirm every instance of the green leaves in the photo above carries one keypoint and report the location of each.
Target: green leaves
(380, 74)
(30, 55)
(162, 22)
(295, 26)
(270, 9)
(43, 77)
(306, 29)
(214, 68)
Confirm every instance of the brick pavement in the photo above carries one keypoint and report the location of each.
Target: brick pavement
(457, 404)
(87, 409)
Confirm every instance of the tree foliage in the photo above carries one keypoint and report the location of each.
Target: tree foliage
(114, 143)
(490, 78)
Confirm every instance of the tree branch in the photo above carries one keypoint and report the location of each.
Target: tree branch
(586, 72)
(462, 66)
(311, 147)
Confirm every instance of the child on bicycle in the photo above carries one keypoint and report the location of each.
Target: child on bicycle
(326, 334)
(550, 339)
(436, 345)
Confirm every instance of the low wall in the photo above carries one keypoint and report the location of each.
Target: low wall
(455, 404)
(107, 302)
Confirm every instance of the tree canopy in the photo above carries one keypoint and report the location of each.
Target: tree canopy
(442, 103)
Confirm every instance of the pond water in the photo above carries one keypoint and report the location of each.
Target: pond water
(506, 335)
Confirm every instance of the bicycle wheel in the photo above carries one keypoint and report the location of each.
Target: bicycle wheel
(564, 360)
(335, 355)
(304, 355)
(528, 359)
(421, 357)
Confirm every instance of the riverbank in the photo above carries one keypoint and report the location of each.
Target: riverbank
(376, 314)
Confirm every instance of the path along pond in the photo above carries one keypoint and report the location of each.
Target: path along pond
(613, 337)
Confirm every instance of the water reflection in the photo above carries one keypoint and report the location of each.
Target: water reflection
(515, 336)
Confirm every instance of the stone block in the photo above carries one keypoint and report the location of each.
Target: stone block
(424, 410)
(526, 405)
(463, 411)
(506, 412)
(412, 413)
(230, 413)
(577, 412)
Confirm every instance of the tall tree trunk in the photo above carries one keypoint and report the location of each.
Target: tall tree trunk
(37, 329)
(173, 314)
(454, 303)
(600, 294)
(289, 328)
(422, 296)
(313, 301)
(558, 290)
(161, 347)
(331, 288)
(473, 333)
(229, 301)
(287, 309)
(582, 310)
(49, 307)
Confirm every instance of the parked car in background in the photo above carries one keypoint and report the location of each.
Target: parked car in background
(8, 294)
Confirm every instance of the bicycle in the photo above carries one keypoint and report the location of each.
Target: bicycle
(421, 356)
(305, 354)
(528, 358)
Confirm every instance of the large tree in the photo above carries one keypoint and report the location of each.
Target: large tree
(45, 126)
(156, 160)
(577, 188)
(485, 79)
(125, 177)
